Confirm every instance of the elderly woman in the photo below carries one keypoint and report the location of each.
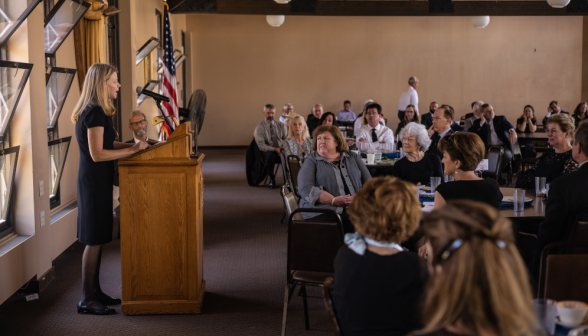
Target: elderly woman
(327, 119)
(410, 115)
(417, 166)
(377, 284)
(462, 153)
(298, 142)
(330, 176)
(478, 278)
(557, 162)
(580, 112)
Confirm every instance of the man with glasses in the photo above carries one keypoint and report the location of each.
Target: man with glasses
(138, 124)
(553, 109)
(442, 121)
(287, 111)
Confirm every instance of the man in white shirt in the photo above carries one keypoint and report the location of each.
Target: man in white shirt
(553, 109)
(138, 124)
(476, 110)
(409, 96)
(373, 132)
(287, 110)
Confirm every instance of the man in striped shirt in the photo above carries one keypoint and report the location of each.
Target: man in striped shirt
(269, 136)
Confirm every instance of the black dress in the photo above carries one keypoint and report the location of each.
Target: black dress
(527, 145)
(578, 120)
(420, 171)
(94, 180)
(550, 165)
(378, 295)
(485, 191)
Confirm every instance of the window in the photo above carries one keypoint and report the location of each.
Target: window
(149, 87)
(9, 24)
(13, 77)
(61, 21)
(8, 160)
(59, 81)
(57, 155)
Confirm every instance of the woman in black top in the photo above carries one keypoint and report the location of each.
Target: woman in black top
(479, 283)
(95, 134)
(417, 166)
(327, 119)
(527, 123)
(580, 113)
(557, 162)
(377, 285)
(409, 116)
(462, 153)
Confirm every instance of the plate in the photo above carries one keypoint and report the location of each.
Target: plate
(571, 326)
(510, 199)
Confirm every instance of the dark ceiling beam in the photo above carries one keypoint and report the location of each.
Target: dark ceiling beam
(374, 8)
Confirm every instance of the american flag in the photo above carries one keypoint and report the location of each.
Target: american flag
(170, 84)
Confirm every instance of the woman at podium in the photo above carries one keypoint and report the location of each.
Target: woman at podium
(95, 132)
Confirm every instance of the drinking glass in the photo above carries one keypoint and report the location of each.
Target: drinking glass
(401, 153)
(519, 200)
(449, 178)
(435, 182)
(546, 188)
(546, 311)
(540, 186)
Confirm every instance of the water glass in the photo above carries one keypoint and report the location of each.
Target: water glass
(540, 186)
(546, 311)
(401, 153)
(448, 178)
(519, 200)
(387, 147)
(546, 188)
(378, 157)
(435, 182)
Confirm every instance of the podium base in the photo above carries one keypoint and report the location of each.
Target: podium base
(161, 307)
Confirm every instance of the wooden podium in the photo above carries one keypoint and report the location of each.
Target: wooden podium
(161, 199)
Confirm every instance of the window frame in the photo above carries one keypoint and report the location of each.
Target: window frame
(23, 16)
(8, 227)
(15, 65)
(51, 70)
(54, 11)
(55, 201)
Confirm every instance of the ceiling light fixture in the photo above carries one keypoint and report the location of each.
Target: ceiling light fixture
(275, 20)
(480, 21)
(558, 3)
(283, 2)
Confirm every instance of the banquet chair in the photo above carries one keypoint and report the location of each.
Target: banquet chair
(290, 204)
(285, 171)
(294, 168)
(330, 307)
(494, 163)
(563, 276)
(275, 171)
(579, 232)
(312, 247)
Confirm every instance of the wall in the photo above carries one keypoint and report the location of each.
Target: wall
(242, 63)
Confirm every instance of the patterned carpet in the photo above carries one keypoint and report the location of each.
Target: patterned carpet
(244, 269)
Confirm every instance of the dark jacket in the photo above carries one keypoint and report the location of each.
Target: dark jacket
(427, 120)
(456, 127)
(501, 125)
(567, 196)
(254, 167)
(435, 138)
(312, 123)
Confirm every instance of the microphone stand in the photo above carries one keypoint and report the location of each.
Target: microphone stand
(158, 103)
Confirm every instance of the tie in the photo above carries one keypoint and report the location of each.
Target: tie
(275, 142)
(374, 135)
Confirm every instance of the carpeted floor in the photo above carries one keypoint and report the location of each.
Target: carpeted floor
(244, 269)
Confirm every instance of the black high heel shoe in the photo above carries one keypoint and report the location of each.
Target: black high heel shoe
(108, 301)
(84, 309)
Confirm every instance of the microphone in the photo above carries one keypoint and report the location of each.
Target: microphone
(152, 94)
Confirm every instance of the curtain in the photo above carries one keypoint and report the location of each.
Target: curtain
(89, 39)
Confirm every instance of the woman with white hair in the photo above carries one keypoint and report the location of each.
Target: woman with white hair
(299, 142)
(417, 166)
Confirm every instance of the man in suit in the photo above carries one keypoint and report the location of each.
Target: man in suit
(314, 119)
(495, 131)
(270, 135)
(475, 115)
(553, 109)
(566, 194)
(427, 118)
(138, 124)
(442, 120)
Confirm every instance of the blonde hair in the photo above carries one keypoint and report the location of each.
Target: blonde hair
(565, 123)
(95, 91)
(386, 209)
(483, 280)
(305, 134)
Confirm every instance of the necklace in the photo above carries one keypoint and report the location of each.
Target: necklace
(413, 158)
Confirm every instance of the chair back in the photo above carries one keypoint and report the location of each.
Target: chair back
(294, 168)
(494, 162)
(290, 203)
(329, 302)
(285, 170)
(312, 246)
(564, 276)
(579, 232)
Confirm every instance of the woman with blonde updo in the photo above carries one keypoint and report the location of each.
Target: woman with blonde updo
(95, 133)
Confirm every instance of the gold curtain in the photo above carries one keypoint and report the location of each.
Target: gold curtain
(89, 39)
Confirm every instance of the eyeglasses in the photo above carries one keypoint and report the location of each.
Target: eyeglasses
(138, 122)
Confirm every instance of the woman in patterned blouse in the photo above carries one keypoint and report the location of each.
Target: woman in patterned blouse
(299, 142)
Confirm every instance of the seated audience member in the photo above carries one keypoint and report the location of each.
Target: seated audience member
(454, 126)
(314, 119)
(374, 132)
(417, 166)
(462, 153)
(442, 120)
(552, 110)
(346, 114)
(369, 296)
(580, 113)
(327, 119)
(527, 124)
(319, 185)
(477, 277)
(427, 118)
(409, 116)
(138, 124)
(299, 142)
(287, 111)
(567, 195)
(360, 121)
(475, 115)
(558, 161)
(269, 136)
(495, 131)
